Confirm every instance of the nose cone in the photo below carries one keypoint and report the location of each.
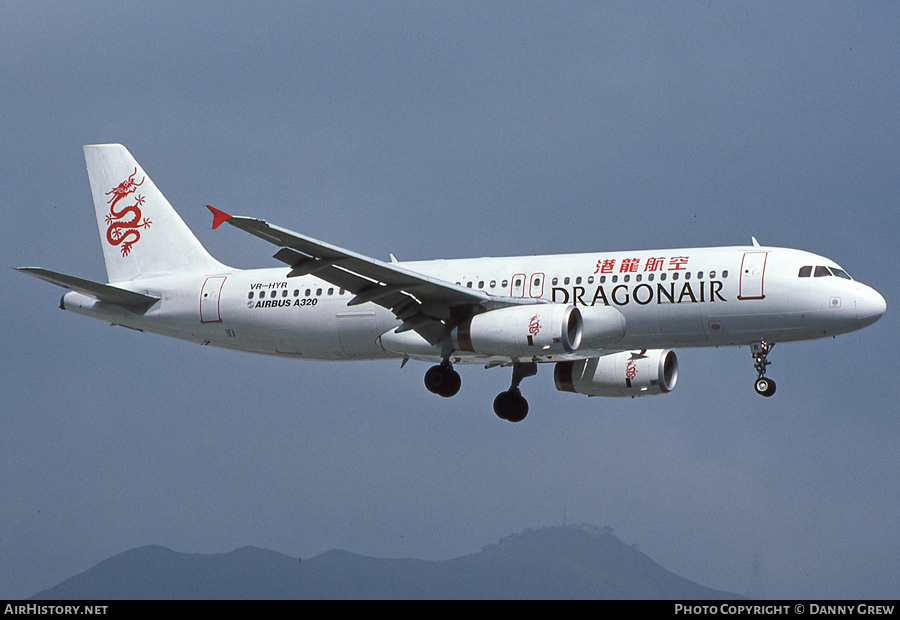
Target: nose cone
(870, 306)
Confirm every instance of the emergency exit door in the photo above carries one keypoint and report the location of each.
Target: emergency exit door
(209, 299)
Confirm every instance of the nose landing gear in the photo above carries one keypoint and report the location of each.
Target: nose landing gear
(759, 351)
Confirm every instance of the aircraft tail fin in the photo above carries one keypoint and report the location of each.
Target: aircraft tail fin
(141, 233)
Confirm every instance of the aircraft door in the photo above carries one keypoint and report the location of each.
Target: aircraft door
(209, 299)
(753, 269)
(536, 285)
(517, 285)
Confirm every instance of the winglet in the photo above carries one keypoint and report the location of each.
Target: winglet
(219, 216)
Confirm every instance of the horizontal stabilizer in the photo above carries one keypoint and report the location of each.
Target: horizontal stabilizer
(101, 292)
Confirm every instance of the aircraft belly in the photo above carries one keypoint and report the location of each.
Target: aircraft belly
(681, 324)
(642, 322)
(771, 326)
(315, 333)
(358, 331)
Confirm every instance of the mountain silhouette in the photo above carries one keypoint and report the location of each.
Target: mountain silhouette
(568, 562)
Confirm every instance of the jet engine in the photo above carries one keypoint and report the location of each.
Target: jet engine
(522, 331)
(628, 373)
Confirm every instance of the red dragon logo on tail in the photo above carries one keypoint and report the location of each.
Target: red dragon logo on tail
(121, 231)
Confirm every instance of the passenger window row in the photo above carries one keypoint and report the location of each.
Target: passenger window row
(493, 284)
(285, 293)
(518, 282)
(640, 277)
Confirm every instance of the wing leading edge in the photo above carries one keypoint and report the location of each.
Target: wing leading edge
(427, 305)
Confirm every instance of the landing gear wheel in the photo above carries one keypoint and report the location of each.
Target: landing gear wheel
(451, 387)
(760, 351)
(764, 387)
(443, 380)
(511, 406)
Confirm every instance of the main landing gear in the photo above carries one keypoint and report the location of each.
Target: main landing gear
(511, 405)
(443, 380)
(759, 351)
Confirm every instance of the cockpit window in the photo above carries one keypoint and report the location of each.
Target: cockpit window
(823, 272)
(841, 273)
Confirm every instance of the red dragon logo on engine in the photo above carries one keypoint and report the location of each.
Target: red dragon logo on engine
(121, 231)
(534, 325)
(630, 372)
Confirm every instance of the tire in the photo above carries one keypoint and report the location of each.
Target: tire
(511, 406)
(764, 387)
(451, 385)
(443, 381)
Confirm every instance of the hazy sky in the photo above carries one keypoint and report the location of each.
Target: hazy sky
(450, 130)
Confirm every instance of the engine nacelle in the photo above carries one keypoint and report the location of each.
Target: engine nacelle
(522, 331)
(629, 373)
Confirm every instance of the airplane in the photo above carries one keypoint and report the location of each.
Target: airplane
(606, 321)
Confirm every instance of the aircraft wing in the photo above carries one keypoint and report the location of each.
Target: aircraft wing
(424, 304)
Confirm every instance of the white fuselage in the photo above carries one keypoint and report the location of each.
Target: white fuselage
(669, 298)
